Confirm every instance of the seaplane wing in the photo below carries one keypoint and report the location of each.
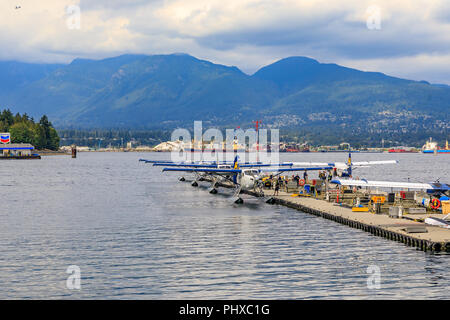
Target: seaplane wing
(386, 184)
(308, 163)
(258, 165)
(368, 163)
(342, 164)
(154, 161)
(209, 165)
(187, 165)
(295, 169)
(161, 162)
(206, 170)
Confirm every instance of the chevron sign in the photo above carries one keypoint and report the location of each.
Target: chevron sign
(5, 137)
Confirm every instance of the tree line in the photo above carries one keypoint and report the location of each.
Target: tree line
(23, 129)
(101, 138)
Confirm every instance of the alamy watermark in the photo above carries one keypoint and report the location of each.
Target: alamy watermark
(211, 145)
(73, 282)
(373, 18)
(374, 280)
(73, 21)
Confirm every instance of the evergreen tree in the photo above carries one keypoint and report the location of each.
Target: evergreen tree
(23, 129)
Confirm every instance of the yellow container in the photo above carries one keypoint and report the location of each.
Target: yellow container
(378, 199)
(445, 207)
(304, 195)
(360, 209)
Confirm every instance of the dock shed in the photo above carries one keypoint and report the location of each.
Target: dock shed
(16, 150)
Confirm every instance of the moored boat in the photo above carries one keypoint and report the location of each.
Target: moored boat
(432, 147)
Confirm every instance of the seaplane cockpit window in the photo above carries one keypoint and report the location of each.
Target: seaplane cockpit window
(251, 172)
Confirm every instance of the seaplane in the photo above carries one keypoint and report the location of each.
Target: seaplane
(203, 175)
(434, 189)
(437, 191)
(244, 178)
(221, 165)
(211, 164)
(343, 169)
(182, 162)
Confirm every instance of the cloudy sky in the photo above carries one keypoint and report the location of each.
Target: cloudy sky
(405, 38)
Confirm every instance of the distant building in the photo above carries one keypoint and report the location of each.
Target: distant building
(84, 149)
(16, 150)
(143, 148)
(328, 148)
(169, 146)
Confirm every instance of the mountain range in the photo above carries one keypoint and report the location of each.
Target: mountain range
(167, 91)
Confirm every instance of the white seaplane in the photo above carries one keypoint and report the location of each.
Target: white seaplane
(436, 190)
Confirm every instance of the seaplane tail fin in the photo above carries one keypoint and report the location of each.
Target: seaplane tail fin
(349, 163)
(235, 166)
(236, 162)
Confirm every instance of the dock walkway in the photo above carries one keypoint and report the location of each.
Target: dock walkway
(406, 231)
(434, 239)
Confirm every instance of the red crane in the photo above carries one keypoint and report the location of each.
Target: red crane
(257, 123)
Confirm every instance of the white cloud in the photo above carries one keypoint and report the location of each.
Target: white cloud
(411, 67)
(414, 39)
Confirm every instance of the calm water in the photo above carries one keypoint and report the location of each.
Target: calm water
(136, 233)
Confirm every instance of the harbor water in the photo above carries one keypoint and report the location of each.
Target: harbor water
(137, 233)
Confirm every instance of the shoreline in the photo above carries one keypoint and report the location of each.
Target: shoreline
(51, 153)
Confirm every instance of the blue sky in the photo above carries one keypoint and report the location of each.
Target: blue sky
(405, 38)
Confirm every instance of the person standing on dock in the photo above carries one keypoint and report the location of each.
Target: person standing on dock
(305, 176)
(297, 179)
(277, 186)
(322, 175)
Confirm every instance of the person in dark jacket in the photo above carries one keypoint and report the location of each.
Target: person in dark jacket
(297, 179)
(277, 187)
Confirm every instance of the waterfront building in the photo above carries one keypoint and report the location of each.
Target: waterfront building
(16, 150)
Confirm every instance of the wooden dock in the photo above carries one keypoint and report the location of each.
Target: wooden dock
(402, 230)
